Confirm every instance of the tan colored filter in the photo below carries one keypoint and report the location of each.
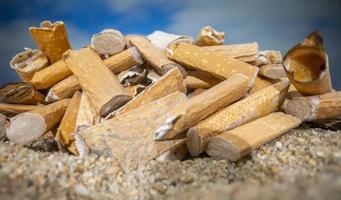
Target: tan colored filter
(272, 71)
(319, 107)
(108, 42)
(28, 62)
(97, 81)
(236, 50)
(214, 63)
(197, 108)
(14, 109)
(20, 93)
(51, 38)
(64, 89)
(196, 83)
(259, 84)
(87, 116)
(179, 153)
(236, 143)
(208, 36)
(248, 109)
(307, 66)
(128, 138)
(27, 127)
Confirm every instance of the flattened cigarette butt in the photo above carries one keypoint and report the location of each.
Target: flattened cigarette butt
(103, 89)
(67, 126)
(169, 83)
(272, 71)
(87, 115)
(208, 36)
(319, 107)
(307, 66)
(179, 153)
(236, 50)
(28, 62)
(153, 55)
(248, 109)
(51, 75)
(64, 89)
(51, 39)
(196, 83)
(194, 110)
(20, 93)
(216, 64)
(164, 40)
(3, 124)
(259, 84)
(108, 42)
(128, 138)
(27, 127)
(236, 143)
(14, 109)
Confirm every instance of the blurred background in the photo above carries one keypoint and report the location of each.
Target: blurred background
(274, 24)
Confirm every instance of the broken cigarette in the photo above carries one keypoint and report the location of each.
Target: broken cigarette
(27, 127)
(194, 110)
(272, 71)
(236, 143)
(169, 83)
(101, 86)
(67, 125)
(209, 37)
(128, 138)
(164, 40)
(216, 64)
(307, 66)
(319, 107)
(20, 93)
(108, 42)
(64, 89)
(28, 62)
(51, 39)
(14, 109)
(87, 116)
(236, 50)
(250, 108)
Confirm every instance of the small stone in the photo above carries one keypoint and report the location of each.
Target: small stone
(279, 145)
(159, 187)
(82, 190)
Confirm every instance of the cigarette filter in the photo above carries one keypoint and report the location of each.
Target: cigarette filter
(108, 42)
(272, 71)
(236, 50)
(209, 36)
(20, 93)
(87, 116)
(14, 109)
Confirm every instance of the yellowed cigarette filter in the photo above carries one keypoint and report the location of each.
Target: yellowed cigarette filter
(248, 109)
(87, 116)
(14, 109)
(51, 39)
(208, 36)
(307, 66)
(169, 83)
(272, 71)
(236, 50)
(103, 89)
(319, 107)
(20, 93)
(28, 62)
(214, 63)
(27, 127)
(128, 138)
(259, 84)
(67, 126)
(108, 42)
(236, 143)
(196, 83)
(194, 110)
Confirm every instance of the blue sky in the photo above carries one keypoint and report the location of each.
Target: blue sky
(275, 24)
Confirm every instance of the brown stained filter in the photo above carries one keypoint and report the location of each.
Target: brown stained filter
(14, 109)
(20, 93)
(51, 39)
(208, 36)
(28, 62)
(108, 42)
(97, 81)
(307, 66)
(236, 143)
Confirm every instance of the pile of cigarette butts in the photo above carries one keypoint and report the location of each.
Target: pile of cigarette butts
(162, 96)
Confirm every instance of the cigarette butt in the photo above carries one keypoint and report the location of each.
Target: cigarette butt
(51, 39)
(169, 83)
(263, 58)
(194, 110)
(236, 143)
(134, 90)
(208, 36)
(14, 109)
(272, 56)
(67, 126)
(259, 84)
(128, 138)
(292, 92)
(272, 71)
(248, 109)
(20, 93)
(192, 82)
(64, 89)
(27, 127)
(216, 64)
(204, 76)
(196, 92)
(179, 153)
(3, 124)
(318, 107)
(307, 66)
(108, 42)
(87, 115)
(164, 40)
(133, 76)
(28, 62)
(236, 50)
(51, 75)
(103, 89)
(156, 57)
